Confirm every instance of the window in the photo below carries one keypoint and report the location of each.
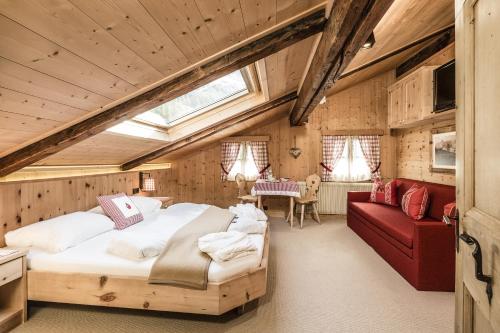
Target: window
(352, 165)
(245, 164)
(205, 98)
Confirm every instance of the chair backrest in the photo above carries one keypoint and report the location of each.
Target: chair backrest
(242, 184)
(312, 187)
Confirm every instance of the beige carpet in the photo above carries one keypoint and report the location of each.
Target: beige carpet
(322, 278)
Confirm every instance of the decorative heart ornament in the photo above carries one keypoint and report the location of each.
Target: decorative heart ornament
(295, 152)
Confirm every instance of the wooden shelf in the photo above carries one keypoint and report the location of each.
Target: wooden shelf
(445, 115)
(10, 318)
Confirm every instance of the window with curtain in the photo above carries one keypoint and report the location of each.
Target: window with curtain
(352, 165)
(245, 164)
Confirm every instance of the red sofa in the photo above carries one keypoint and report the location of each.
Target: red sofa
(423, 251)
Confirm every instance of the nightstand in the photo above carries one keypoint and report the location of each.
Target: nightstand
(13, 289)
(166, 201)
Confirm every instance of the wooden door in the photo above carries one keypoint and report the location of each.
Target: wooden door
(395, 105)
(478, 163)
(412, 92)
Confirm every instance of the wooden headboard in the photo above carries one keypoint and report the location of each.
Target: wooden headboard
(26, 202)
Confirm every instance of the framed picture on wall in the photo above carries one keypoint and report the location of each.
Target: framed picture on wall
(443, 151)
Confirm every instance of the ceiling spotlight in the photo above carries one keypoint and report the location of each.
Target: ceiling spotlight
(369, 42)
(323, 100)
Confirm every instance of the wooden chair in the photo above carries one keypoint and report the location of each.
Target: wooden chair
(242, 190)
(310, 198)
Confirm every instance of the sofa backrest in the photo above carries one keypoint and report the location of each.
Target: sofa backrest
(439, 195)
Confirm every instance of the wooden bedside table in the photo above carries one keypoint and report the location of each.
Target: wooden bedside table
(13, 288)
(166, 201)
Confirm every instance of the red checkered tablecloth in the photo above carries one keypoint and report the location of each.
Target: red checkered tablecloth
(288, 188)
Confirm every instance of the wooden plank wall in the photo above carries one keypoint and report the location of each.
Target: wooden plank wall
(196, 177)
(413, 144)
(26, 202)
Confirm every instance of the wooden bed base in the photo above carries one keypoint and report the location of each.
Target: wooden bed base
(137, 293)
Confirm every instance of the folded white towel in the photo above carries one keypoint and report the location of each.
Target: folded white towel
(224, 246)
(136, 245)
(248, 211)
(248, 226)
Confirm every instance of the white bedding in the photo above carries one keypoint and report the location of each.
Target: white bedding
(91, 256)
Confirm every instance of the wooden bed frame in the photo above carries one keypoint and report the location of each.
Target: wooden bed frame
(137, 293)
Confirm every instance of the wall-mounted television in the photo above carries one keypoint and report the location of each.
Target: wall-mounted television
(444, 87)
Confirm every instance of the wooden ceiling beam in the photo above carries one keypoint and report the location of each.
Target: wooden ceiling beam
(207, 132)
(397, 51)
(247, 54)
(350, 24)
(440, 43)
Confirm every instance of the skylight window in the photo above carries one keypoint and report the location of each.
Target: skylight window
(205, 98)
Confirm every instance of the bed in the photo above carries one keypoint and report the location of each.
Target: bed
(87, 274)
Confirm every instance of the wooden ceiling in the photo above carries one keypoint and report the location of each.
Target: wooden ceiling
(64, 60)
(405, 22)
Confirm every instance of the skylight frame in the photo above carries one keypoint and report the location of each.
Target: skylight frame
(252, 85)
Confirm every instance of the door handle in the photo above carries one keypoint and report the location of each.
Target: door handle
(478, 257)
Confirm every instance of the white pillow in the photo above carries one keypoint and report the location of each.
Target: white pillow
(97, 210)
(60, 233)
(144, 204)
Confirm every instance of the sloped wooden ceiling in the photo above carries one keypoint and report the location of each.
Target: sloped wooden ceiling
(65, 59)
(405, 22)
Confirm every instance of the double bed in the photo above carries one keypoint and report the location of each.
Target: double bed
(88, 274)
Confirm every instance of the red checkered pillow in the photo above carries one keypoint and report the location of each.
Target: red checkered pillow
(120, 209)
(385, 194)
(415, 202)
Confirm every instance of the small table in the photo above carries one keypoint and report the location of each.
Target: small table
(278, 188)
(13, 288)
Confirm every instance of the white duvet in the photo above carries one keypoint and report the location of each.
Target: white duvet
(91, 256)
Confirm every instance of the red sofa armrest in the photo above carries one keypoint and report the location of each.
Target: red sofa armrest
(358, 196)
(434, 246)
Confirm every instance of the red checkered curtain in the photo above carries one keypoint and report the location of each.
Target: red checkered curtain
(333, 147)
(370, 145)
(229, 155)
(261, 158)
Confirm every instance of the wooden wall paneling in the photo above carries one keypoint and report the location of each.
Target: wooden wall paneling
(129, 22)
(414, 157)
(413, 148)
(63, 23)
(28, 81)
(27, 48)
(362, 105)
(26, 202)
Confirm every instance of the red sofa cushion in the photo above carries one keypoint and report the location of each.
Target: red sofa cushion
(385, 194)
(389, 219)
(415, 202)
(439, 196)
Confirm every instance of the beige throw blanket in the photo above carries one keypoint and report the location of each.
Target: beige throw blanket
(182, 263)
